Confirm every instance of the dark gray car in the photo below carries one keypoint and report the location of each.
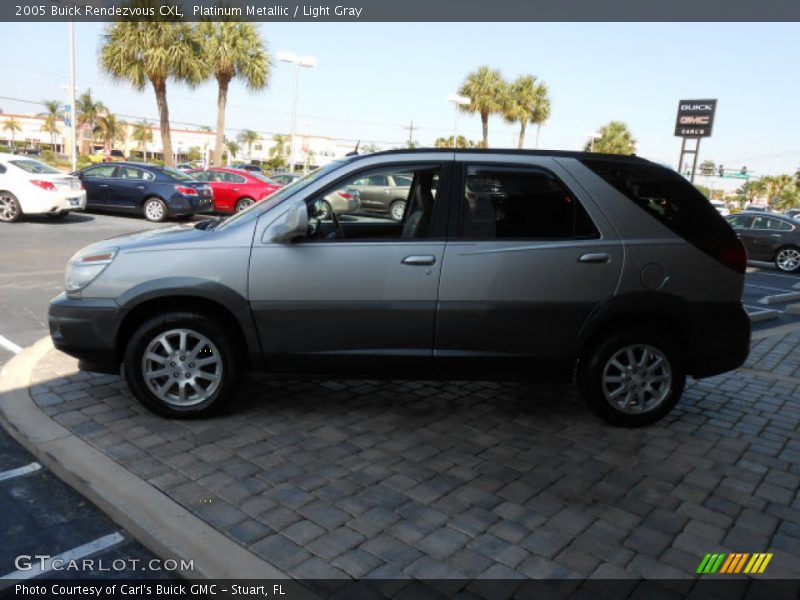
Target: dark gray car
(769, 237)
(512, 265)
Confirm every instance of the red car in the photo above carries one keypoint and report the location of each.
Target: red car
(235, 189)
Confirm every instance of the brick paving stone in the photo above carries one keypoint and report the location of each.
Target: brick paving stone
(443, 477)
(302, 532)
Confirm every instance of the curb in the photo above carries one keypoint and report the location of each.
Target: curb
(779, 298)
(148, 514)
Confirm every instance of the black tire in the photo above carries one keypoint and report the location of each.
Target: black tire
(10, 209)
(597, 359)
(155, 210)
(394, 208)
(787, 259)
(243, 203)
(134, 363)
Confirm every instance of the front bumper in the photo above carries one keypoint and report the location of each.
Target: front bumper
(87, 330)
(719, 338)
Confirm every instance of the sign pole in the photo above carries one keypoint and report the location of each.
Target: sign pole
(694, 161)
(683, 152)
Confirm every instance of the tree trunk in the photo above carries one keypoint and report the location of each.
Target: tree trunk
(160, 88)
(222, 101)
(522, 125)
(485, 124)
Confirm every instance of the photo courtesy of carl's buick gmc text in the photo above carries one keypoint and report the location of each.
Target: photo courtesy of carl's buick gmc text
(399, 300)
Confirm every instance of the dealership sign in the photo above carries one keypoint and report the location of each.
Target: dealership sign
(695, 118)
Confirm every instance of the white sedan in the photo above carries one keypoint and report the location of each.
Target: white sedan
(28, 186)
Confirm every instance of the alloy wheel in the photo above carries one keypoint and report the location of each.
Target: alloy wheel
(154, 210)
(398, 210)
(243, 204)
(637, 379)
(182, 367)
(8, 208)
(788, 259)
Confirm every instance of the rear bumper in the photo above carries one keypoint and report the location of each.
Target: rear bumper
(181, 205)
(718, 338)
(87, 330)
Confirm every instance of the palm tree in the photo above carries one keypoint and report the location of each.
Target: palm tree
(460, 142)
(614, 138)
(233, 50)
(155, 52)
(51, 117)
(280, 150)
(87, 110)
(526, 102)
(206, 129)
(12, 125)
(707, 167)
(486, 89)
(143, 135)
(233, 149)
(248, 137)
(109, 129)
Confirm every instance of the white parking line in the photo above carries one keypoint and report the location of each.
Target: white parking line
(764, 287)
(781, 275)
(20, 471)
(39, 568)
(9, 345)
(762, 309)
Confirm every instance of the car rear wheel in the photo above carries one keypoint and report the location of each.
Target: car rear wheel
(632, 378)
(244, 203)
(397, 209)
(182, 364)
(10, 210)
(155, 210)
(787, 259)
(325, 211)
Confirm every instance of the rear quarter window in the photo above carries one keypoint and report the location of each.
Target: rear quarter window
(668, 198)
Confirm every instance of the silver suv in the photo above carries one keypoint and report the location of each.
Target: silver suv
(511, 265)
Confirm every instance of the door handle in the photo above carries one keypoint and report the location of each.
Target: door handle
(599, 257)
(140, 187)
(103, 185)
(775, 235)
(235, 189)
(419, 261)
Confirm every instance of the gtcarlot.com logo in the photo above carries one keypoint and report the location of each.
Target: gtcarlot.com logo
(735, 562)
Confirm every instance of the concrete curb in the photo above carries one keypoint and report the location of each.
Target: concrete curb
(763, 315)
(793, 309)
(154, 519)
(780, 298)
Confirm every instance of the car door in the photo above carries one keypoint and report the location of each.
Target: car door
(766, 236)
(129, 187)
(360, 302)
(96, 182)
(528, 259)
(742, 225)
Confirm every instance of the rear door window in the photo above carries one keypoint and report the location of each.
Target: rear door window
(521, 203)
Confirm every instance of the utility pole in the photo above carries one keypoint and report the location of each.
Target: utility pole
(411, 129)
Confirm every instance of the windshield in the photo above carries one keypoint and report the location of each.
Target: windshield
(179, 175)
(34, 166)
(280, 195)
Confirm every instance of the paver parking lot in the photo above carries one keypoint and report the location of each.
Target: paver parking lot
(462, 480)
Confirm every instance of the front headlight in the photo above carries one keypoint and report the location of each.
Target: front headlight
(84, 267)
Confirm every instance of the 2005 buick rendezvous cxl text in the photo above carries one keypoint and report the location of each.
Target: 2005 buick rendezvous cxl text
(505, 265)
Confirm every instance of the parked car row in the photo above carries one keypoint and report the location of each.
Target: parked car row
(28, 186)
(769, 237)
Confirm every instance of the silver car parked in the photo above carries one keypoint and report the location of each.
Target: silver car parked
(512, 265)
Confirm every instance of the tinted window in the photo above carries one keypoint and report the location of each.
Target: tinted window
(101, 172)
(402, 181)
(179, 175)
(133, 173)
(521, 203)
(669, 198)
(739, 221)
(233, 178)
(771, 224)
(201, 175)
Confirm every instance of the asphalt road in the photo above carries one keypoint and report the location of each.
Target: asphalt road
(43, 515)
(38, 513)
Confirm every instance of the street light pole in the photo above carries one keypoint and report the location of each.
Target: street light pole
(73, 113)
(298, 61)
(457, 101)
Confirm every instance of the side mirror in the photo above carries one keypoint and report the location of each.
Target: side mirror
(291, 225)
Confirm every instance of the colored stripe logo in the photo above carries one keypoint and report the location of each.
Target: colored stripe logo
(736, 562)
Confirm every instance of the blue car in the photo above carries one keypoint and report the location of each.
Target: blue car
(156, 192)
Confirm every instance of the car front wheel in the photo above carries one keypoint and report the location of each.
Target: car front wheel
(397, 210)
(787, 259)
(244, 203)
(182, 364)
(632, 378)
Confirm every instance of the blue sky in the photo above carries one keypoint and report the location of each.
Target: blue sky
(372, 79)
